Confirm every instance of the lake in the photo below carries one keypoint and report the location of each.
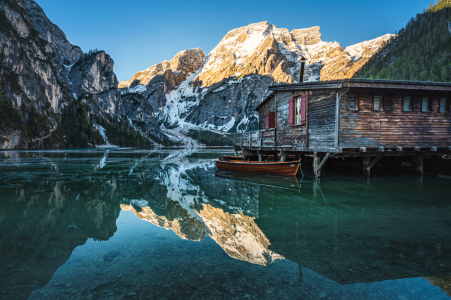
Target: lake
(166, 224)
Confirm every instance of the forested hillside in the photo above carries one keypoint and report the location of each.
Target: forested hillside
(422, 51)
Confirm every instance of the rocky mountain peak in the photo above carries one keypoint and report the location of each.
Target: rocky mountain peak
(367, 49)
(221, 91)
(183, 63)
(307, 36)
(92, 77)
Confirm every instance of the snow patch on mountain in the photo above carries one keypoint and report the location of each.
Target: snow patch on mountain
(368, 48)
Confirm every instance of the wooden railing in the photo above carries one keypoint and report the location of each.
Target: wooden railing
(265, 138)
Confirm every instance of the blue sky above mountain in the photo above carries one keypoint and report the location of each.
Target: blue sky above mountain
(138, 34)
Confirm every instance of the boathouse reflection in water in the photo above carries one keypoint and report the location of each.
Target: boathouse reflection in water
(344, 228)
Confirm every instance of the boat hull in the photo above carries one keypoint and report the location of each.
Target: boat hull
(278, 168)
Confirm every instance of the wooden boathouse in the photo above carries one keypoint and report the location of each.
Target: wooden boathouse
(364, 118)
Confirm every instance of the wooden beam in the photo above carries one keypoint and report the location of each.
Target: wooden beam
(376, 160)
(323, 161)
(317, 165)
(398, 148)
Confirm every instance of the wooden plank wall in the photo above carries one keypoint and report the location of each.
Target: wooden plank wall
(393, 126)
(321, 118)
(288, 135)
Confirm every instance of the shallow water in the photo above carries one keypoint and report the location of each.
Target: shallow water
(140, 224)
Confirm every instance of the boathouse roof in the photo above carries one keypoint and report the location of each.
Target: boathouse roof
(357, 83)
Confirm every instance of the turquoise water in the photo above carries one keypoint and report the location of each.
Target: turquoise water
(166, 224)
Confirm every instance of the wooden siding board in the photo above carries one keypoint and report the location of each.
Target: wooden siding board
(286, 134)
(392, 126)
(321, 120)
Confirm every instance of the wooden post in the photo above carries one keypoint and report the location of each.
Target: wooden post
(236, 152)
(282, 156)
(366, 165)
(419, 164)
(275, 139)
(241, 142)
(259, 157)
(261, 140)
(307, 135)
(337, 121)
(250, 140)
(320, 166)
(316, 161)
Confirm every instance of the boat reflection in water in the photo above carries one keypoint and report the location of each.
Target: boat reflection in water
(72, 227)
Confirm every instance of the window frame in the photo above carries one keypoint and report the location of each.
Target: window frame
(446, 104)
(411, 103)
(382, 103)
(429, 104)
(357, 98)
(295, 123)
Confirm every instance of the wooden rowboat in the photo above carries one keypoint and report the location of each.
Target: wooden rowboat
(278, 168)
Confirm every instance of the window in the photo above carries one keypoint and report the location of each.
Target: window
(352, 102)
(298, 115)
(377, 104)
(425, 104)
(443, 105)
(407, 105)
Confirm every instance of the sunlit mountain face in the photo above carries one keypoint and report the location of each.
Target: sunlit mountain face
(131, 224)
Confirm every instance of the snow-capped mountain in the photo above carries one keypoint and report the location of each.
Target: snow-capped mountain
(193, 91)
(219, 91)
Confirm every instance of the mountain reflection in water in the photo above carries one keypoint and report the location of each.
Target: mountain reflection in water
(72, 228)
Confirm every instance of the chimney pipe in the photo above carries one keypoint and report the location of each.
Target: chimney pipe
(301, 77)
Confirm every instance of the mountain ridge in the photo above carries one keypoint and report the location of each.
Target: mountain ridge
(221, 93)
(64, 96)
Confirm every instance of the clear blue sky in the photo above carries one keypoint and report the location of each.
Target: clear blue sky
(138, 34)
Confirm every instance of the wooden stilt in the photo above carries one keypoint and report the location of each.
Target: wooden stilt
(316, 162)
(366, 165)
(259, 157)
(419, 164)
